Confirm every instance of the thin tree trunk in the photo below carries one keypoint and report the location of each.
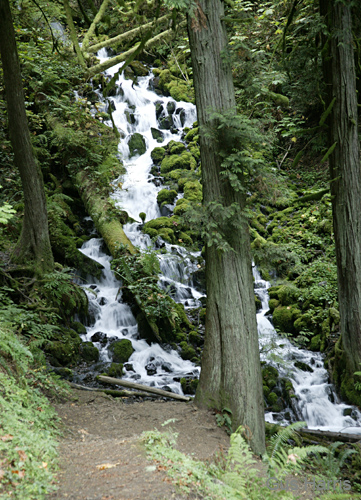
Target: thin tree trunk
(73, 35)
(96, 20)
(33, 246)
(345, 173)
(231, 370)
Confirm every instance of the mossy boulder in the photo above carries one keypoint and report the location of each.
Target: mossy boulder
(157, 155)
(284, 318)
(121, 350)
(89, 352)
(182, 206)
(115, 370)
(195, 338)
(157, 134)
(272, 304)
(137, 145)
(173, 162)
(192, 135)
(166, 196)
(288, 294)
(258, 303)
(167, 234)
(193, 191)
(138, 68)
(188, 352)
(175, 148)
(185, 239)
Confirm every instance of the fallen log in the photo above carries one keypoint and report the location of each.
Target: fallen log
(332, 436)
(115, 393)
(132, 385)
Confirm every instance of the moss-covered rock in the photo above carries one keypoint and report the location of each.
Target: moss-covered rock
(192, 135)
(138, 68)
(166, 196)
(315, 344)
(284, 318)
(167, 234)
(121, 350)
(182, 206)
(89, 352)
(157, 154)
(288, 294)
(185, 239)
(175, 148)
(188, 352)
(173, 162)
(157, 134)
(137, 145)
(272, 304)
(115, 370)
(193, 191)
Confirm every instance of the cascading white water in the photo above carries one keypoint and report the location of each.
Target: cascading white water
(317, 404)
(112, 317)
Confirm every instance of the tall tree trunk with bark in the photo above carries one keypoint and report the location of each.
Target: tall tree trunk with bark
(345, 172)
(231, 370)
(33, 246)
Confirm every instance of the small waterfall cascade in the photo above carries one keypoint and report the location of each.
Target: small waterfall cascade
(317, 402)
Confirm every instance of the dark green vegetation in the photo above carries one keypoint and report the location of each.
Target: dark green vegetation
(275, 153)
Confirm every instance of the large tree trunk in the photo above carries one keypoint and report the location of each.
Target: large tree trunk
(231, 370)
(33, 246)
(345, 172)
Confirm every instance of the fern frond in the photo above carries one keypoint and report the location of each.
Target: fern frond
(283, 436)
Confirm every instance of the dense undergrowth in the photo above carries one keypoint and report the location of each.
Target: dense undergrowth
(282, 156)
(29, 424)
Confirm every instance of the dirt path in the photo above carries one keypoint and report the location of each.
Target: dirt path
(101, 430)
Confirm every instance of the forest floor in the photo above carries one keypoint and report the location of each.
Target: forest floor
(101, 457)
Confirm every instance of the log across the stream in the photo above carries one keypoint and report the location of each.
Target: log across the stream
(132, 385)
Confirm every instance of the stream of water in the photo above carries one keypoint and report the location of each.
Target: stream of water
(316, 402)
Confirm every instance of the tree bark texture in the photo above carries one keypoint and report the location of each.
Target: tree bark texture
(33, 246)
(345, 172)
(231, 370)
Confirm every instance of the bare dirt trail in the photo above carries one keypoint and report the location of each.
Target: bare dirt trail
(104, 432)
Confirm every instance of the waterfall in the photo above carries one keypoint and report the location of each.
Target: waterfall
(154, 365)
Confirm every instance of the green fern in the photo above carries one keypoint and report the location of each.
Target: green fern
(280, 460)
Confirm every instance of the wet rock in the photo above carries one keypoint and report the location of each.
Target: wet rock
(347, 412)
(136, 376)
(89, 352)
(128, 367)
(182, 115)
(157, 134)
(151, 369)
(99, 337)
(103, 301)
(159, 109)
(137, 145)
(166, 388)
(167, 367)
(171, 107)
(166, 123)
(130, 117)
(303, 366)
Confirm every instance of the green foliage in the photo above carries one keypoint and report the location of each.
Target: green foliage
(25, 321)
(28, 423)
(281, 461)
(6, 212)
(224, 418)
(237, 479)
